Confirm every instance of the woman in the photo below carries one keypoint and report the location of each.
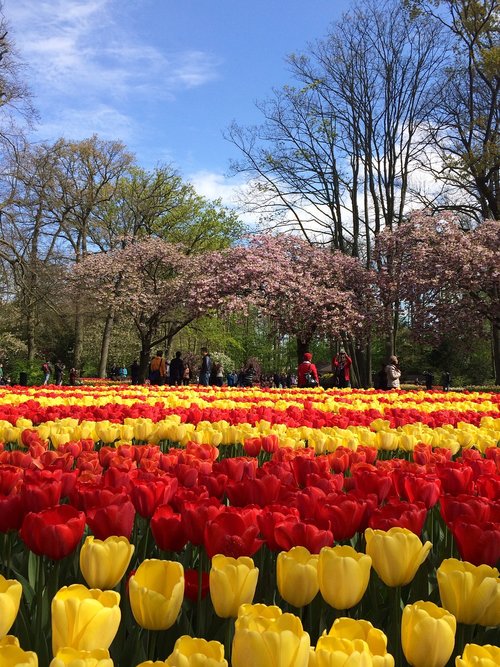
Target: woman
(393, 373)
(341, 365)
(307, 372)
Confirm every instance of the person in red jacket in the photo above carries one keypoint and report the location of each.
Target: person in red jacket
(341, 365)
(307, 372)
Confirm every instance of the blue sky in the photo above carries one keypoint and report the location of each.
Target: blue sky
(165, 76)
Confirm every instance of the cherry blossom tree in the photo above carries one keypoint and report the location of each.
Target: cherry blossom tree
(306, 290)
(156, 284)
(446, 279)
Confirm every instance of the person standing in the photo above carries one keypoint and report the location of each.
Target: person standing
(176, 370)
(186, 376)
(307, 372)
(341, 368)
(393, 373)
(206, 368)
(134, 372)
(157, 370)
(46, 370)
(219, 374)
(58, 372)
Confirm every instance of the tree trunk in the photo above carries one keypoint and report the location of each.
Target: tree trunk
(31, 334)
(106, 338)
(302, 348)
(78, 350)
(496, 351)
(145, 356)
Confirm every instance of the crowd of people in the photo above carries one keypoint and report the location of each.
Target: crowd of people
(210, 372)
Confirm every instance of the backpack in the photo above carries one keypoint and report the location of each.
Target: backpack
(310, 380)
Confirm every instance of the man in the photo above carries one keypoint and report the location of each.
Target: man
(157, 370)
(206, 367)
(176, 370)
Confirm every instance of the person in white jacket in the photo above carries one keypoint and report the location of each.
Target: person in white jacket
(393, 373)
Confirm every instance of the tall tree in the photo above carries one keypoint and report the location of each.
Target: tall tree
(86, 178)
(464, 125)
(157, 284)
(335, 155)
(447, 277)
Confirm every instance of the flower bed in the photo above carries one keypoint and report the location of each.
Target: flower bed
(211, 525)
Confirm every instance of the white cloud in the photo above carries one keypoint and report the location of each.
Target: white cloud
(73, 123)
(90, 69)
(214, 185)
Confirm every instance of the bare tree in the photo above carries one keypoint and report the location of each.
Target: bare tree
(464, 125)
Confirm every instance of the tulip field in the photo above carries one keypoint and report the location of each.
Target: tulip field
(207, 527)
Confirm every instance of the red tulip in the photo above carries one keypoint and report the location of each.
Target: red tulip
(473, 509)
(252, 446)
(168, 530)
(302, 466)
(40, 491)
(237, 468)
(148, 493)
(342, 514)
(401, 514)
(195, 516)
(263, 491)
(215, 484)
(9, 476)
(489, 486)
(229, 534)
(54, 532)
(455, 477)
(115, 519)
(191, 584)
(478, 543)
(268, 520)
(306, 501)
(371, 479)
(340, 459)
(11, 511)
(411, 487)
(270, 443)
(293, 532)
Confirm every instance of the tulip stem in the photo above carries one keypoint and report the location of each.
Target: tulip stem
(229, 638)
(41, 640)
(397, 626)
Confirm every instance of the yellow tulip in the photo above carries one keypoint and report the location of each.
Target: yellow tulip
(151, 663)
(297, 576)
(103, 563)
(479, 656)
(427, 634)
(71, 657)
(59, 438)
(336, 652)
(349, 628)
(10, 598)
(396, 553)
(156, 593)
(267, 642)
(471, 593)
(13, 656)
(193, 652)
(262, 614)
(232, 582)
(84, 619)
(9, 640)
(343, 575)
